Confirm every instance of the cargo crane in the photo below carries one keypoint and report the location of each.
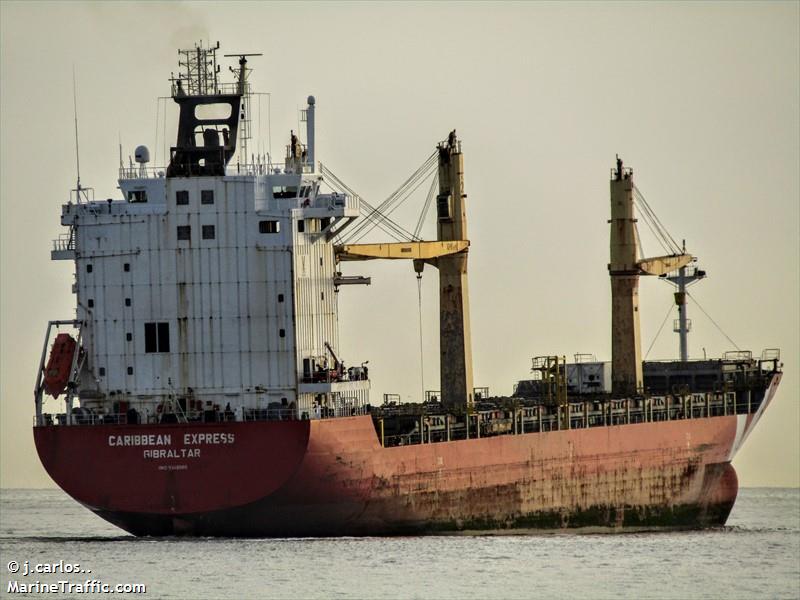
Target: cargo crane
(449, 255)
(625, 268)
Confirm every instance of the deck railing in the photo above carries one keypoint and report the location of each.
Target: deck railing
(434, 428)
(85, 417)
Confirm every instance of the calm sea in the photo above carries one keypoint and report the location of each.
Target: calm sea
(756, 556)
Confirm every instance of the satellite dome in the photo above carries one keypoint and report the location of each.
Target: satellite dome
(311, 101)
(142, 154)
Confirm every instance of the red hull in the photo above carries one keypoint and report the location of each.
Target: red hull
(332, 477)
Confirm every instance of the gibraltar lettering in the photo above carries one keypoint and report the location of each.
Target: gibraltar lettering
(176, 453)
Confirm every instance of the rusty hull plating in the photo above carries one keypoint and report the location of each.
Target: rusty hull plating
(334, 478)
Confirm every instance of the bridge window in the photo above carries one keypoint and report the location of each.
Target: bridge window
(269, 226)
(181, 197)
(284, 191)
(137, 196)
(213, 112)
(156, 337)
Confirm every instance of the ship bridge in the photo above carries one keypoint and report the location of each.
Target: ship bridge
(207, 291)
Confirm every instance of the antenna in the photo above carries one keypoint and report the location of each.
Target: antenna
(75, 109)
(244, 90)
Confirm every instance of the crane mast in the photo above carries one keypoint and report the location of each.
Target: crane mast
(454, 329)
(448, 254)
(625, 267)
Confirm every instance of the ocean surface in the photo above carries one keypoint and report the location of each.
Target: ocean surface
(757, 555)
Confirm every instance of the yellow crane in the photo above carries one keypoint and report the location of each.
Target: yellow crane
(625, 267)
(426, 252)
(449, 255)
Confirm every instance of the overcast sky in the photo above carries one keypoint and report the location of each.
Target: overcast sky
(702, 100)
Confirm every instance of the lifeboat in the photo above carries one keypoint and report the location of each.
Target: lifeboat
(56, 374)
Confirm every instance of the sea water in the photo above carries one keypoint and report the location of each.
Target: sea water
(757, 555)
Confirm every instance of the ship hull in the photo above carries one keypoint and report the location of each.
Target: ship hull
(332, 477)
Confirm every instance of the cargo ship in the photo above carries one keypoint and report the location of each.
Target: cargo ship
(199, 388)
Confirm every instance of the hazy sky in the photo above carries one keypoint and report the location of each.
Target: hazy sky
(702, 100)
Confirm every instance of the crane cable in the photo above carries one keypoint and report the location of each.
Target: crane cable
(653, 231)
(649, 214)
(378, 213)
(428, 202)
(658, 333)
(387, 225)
(421, 346)
(406, 196)
(713, 321)
(378, 216)
(639, 241)
(334, 182)
(396, 199)
(656, 221)
(727, 337)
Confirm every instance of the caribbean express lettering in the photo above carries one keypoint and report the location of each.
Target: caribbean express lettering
(195, 439)
(140, 440)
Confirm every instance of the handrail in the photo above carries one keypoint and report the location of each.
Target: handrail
(262, 165)
(87, 417)
(582, 415)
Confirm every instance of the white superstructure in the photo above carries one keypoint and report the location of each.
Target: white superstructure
(200, 293)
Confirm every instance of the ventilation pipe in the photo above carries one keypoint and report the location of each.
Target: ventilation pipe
(310, 132)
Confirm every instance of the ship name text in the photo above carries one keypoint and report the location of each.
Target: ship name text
(208, 438)
(151, 439)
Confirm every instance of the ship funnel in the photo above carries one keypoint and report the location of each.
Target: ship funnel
(310, 132)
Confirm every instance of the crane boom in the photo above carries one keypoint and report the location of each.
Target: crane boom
(659, 265)
(400, 250)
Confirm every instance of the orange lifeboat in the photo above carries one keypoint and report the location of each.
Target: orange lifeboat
(56, 375)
